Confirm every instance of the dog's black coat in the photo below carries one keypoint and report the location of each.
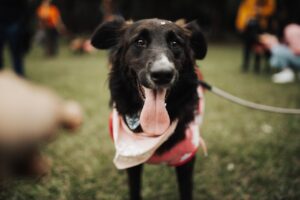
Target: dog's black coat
(133, 47)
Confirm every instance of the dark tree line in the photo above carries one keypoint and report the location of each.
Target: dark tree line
(215, 16)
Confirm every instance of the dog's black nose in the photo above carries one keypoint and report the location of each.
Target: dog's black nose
(162, 77)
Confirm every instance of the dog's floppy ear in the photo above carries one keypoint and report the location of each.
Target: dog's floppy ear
(108, 33)
(198, 42)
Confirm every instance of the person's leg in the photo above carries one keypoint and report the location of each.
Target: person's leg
(246, 57)
(246, 39)
(266, 63)
(257, 59)
(47, 43)
(283, 58)
(250, 41)
(54, 42)
(16, 48)
(280, 56)
(295, 62)
(51, 42)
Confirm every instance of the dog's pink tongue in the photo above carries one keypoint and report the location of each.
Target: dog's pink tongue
(154, 116)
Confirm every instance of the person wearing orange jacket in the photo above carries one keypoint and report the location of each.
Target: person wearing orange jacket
(253, 19)
(50, 22)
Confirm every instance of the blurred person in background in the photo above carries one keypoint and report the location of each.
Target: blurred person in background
(284, 56)
(14, 20)
(81, 43)
(253, 19)
(108, 9)
(51, 25)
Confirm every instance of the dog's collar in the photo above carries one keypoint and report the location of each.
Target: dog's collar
(133, 121)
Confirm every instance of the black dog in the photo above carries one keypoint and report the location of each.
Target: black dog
(158, 55)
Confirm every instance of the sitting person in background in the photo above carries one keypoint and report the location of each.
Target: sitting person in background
(285, 56)
(81, 45)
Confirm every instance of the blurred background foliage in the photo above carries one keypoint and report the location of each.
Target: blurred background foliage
(215, 16)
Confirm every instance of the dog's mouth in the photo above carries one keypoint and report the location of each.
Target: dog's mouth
(154, 117)
(141, 91)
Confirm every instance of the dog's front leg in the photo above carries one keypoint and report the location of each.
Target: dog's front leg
(135, 182)
(185, 179)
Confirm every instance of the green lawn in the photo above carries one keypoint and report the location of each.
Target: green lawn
(252, 154)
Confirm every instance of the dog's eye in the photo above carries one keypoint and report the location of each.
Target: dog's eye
(141, 43)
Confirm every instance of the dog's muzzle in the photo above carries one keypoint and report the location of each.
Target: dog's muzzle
(162, 77)
(162, 72)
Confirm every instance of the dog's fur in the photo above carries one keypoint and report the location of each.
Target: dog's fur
(135, 48)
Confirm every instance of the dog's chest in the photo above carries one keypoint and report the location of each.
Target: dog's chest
(122, 129)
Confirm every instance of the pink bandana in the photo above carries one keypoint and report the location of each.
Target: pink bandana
(133, 149)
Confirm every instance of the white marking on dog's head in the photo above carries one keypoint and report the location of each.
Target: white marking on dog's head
(164, 22)
(162, 64)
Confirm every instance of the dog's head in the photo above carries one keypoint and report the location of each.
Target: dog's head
(153, 49)
(153, 55)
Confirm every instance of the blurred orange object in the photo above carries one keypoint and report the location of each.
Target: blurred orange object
(49, 15)
(254, 9)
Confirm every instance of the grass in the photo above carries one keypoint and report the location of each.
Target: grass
(252, 154)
